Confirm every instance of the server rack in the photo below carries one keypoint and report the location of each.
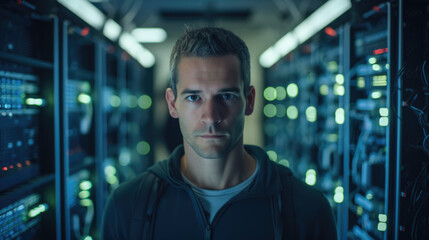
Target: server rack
(29, 122)
(55, 73)
(381, 120)
(411, 220)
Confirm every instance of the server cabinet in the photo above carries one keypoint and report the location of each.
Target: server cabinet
(366, 128)
(29, 123)
(411, 121)
(80, 158)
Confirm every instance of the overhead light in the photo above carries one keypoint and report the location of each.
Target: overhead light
(323, 16)
(136, 50)
(283, 46)
(112, 30)
(149, 35)
(86, 11)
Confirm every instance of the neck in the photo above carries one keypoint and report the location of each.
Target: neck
(219, 173)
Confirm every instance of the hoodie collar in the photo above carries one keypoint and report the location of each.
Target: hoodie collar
(267, 181)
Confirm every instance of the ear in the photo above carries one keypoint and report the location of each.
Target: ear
(170, 98)
(250, 100)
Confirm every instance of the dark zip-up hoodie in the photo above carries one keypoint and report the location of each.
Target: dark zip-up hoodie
(276, 205)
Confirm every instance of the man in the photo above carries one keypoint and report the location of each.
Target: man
(214, 187)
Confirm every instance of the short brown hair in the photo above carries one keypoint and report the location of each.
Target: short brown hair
(210, 42)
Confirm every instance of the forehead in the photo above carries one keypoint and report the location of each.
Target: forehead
(208, 71)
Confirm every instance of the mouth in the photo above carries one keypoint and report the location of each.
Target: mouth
(212, 136)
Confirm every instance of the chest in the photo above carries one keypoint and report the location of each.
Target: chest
(180, 215)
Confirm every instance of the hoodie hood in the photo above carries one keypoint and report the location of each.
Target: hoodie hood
(267, 180)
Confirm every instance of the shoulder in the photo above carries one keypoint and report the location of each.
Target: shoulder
(122, 199)
(312, 211)
(120, 208)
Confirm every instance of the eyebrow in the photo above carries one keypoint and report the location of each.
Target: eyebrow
(191, 91)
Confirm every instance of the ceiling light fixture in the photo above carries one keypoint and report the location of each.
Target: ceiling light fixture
(112, 30)
(149, 35)
(136, 50)
(323, 16)
(86, 11)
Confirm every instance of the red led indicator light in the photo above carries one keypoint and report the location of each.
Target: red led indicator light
(330, 31)
(19, 165)
(380, 51)
(28, 163)
(376, 8)
(4, 168)
(84, 31)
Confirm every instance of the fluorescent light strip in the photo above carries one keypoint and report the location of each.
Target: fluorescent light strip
(136, 50)
(149, 35)
(323, 16)
(86, 11)
(112, 30)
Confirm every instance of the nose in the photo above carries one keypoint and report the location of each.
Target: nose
(212, 112)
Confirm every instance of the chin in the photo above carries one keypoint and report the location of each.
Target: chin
(212, 152)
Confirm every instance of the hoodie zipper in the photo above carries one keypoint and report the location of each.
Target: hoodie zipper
(208, 227)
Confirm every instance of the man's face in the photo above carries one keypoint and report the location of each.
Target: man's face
(210, 104)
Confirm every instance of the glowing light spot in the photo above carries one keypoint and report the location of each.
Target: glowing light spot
(376, 67)
(35, 101)
(112, 180)
(84, 194)
(143, 148)
(311, 114)
(339, 116)
(376, 95)
(383, 121)
(124, 157)
(84, 98)
(115, 101)
(37, 210)
(382, 217)
(324, 89)
(369, 196)
(310, 177)
(381, 226)
(145, 101)
(281, 93)
(292, 90)
(332, 66)
(292, 112)
(332, 137)
(359, 210)
(372, 60)
(272, 155)
(284, 162)
(339, 90)
(339, 78)
(361, 82)
(270, 110)
(85, 185)
(109, 170)
(86, 202)
(384, 112)
(339, 197)
(270, 93)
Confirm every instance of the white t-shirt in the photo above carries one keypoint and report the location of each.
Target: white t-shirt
(213, 200)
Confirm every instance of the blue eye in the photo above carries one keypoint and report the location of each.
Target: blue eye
(228, 96)
(193, 98)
